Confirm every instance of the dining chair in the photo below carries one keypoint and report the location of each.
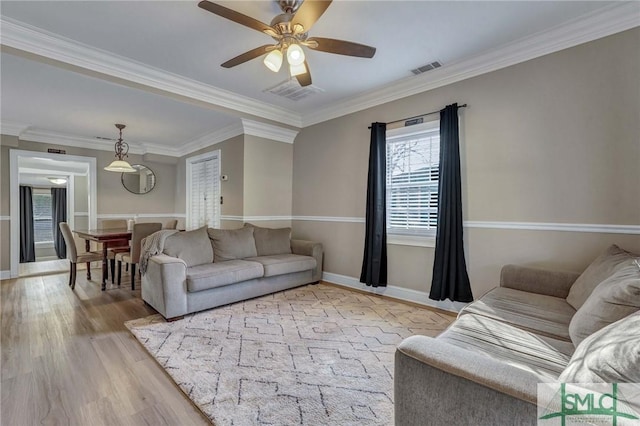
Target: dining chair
(74, 257)
(140, 231)
(119, 246)
(172, 224)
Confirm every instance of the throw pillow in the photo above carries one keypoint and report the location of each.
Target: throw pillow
(230, 244)
(614, 298)
(611, 355)
(193, 247)
(599, 270)
(271, 241)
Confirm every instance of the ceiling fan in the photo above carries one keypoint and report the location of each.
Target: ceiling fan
(290, 30)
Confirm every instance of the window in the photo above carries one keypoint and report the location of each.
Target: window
(413, 157)
(42, 218)
(203, 190)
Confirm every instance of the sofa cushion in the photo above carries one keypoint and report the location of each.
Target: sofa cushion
(611, 355)
(541, 314)
(599, 270)
(543, 356)
(614, 298)
(281, 264)
(214, 275)
(271, 241)
(230, 244)
(193, 247)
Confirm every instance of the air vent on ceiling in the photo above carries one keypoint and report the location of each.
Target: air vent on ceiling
(105, 139)
(433, 65)
(290, 89)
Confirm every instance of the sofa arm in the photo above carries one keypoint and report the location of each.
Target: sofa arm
(541, 281)
(164, 285)
(313, 249)
(438, 383)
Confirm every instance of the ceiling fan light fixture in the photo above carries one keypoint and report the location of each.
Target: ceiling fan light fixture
(297, 69)
(273, 60)
(295, 55)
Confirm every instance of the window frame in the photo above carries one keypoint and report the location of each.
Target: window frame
(415, 238)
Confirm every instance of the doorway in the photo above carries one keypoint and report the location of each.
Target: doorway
(42, 171)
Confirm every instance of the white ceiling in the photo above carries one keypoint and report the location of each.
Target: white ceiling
(188, 44)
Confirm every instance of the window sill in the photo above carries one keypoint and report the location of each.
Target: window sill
(411, 240)
(44, 244)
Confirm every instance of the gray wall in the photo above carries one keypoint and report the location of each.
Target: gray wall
(555, 139)
(260, 179)
(112, 197)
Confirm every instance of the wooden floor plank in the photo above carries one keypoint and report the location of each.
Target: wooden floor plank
(68, 359)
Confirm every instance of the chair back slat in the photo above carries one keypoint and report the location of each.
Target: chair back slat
(113, 224)
(141, 231)
(72, 252)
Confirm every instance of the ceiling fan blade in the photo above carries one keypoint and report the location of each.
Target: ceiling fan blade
(341, 47)
(236, 17)
(304, 79)
(307, 14)
(247, 56)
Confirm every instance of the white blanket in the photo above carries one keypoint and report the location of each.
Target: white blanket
(153, 245)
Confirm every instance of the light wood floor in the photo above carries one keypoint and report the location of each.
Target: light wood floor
(68, 359)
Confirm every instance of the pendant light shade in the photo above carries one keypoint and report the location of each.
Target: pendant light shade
(273, 60)
(295, 55)
(122, 148)
(120, 166)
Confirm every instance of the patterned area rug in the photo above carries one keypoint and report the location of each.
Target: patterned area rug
(314, 355)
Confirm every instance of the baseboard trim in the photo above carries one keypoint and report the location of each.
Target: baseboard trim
(414, 296)
(5, 275)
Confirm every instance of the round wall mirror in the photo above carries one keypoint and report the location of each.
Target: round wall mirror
(141, 181)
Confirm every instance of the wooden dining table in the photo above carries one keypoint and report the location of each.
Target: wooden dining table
(105, 237)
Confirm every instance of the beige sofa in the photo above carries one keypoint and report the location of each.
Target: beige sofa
(537, 326)
(206, 268)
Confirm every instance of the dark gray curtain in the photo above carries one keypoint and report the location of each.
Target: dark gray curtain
(450, 278)
(374, 263)
(59, 214)
(27, 245)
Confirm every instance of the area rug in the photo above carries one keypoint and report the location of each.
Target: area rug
(313, 355)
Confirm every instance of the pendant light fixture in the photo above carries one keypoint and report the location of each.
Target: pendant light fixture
(122, 148)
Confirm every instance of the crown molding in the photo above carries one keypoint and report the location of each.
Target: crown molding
(268, 131)
(21, 36)
(601, 23)
(12, 128)
(212, 138)
(66, 139)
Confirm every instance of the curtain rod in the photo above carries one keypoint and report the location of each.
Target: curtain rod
(421, 115)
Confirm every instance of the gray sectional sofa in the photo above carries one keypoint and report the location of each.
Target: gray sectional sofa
(537, 326)
(206, 268)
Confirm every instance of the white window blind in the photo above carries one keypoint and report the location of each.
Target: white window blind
(42, 216)
(412, 182)
(203, 191)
